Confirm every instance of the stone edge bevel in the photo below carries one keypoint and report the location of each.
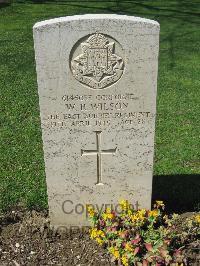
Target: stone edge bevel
(55, 21)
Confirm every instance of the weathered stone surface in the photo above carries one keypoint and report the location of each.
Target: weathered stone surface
(97, 79)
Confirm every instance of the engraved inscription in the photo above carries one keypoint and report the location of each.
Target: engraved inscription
(98, 152)
(97, 66)
(101, 111)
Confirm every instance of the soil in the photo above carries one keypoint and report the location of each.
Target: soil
(27, 239)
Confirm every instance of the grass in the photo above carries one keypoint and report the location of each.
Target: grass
(177, 149)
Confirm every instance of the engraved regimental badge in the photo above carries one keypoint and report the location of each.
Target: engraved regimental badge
(97, 66)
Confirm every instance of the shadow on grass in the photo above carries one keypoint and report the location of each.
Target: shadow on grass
(180, 193)
(180, 7)
(2, 5)
(181, 12)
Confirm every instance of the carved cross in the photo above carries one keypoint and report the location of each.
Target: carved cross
(98, 152)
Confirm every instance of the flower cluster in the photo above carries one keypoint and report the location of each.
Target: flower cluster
(108, 215)
(98, 235)
(197, 218)
(139, 237)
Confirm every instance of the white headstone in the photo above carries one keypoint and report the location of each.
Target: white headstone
(97, 81)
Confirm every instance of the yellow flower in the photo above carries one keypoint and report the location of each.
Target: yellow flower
(111, 249)
(159, 203)
(154, 213)
(134, 218)
(125, 205)
(108, 214)
(124, 260)
(90, 211)
(128, 247)
(115, 252)
(197, 218)
(138, 217)
(108, 210)
(141, 212)
(99, 241)
(130, 212)
(95, 233)
(101, 233)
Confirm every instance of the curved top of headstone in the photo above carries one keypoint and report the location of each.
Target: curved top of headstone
(93, 17)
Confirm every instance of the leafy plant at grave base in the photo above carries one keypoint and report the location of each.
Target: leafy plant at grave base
(143, 237)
